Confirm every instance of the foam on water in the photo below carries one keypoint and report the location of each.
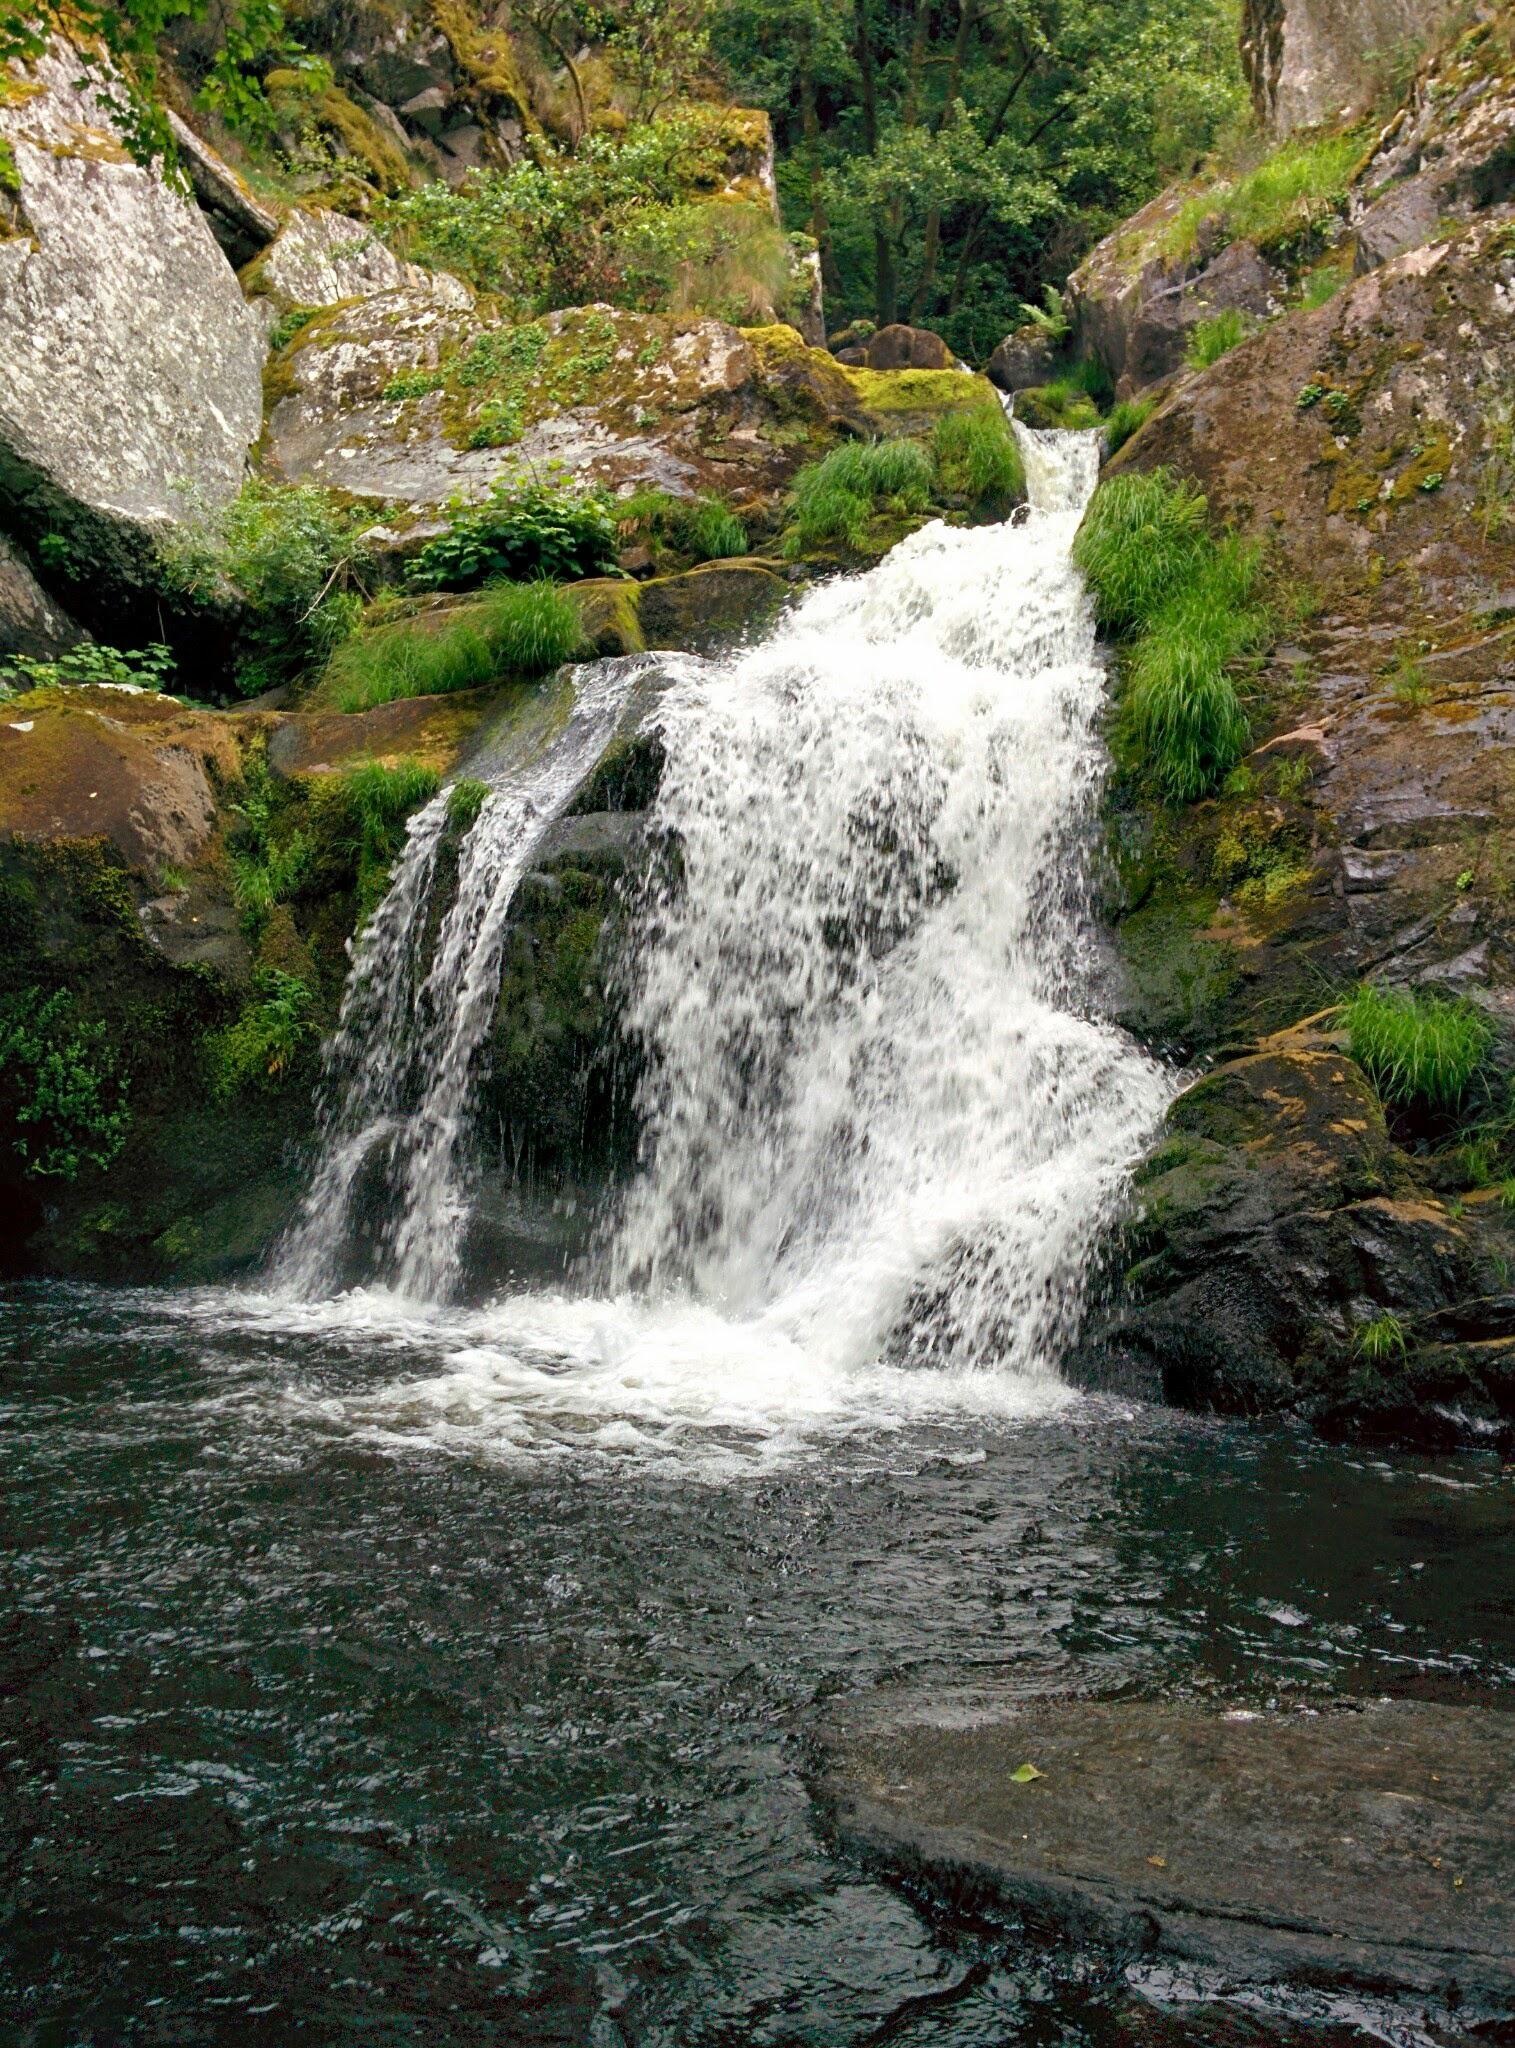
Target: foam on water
(884, 1121)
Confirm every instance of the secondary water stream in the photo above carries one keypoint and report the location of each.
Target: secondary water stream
(377, 1668)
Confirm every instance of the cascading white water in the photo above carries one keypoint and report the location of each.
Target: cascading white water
(883, 1122)
(401, 1066)
(880, 1117)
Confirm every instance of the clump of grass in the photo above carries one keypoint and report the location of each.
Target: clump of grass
(1322, 285)
(512, 629)
(977, 459)
(1419, 1051)
(1408, 683)
(1126, 419)
(698, 529)
(1065, 402)
(1209, 340)
(1380, 1340)
(1142, 539)
(360, 817)
(1190, 608)
(1278, 204)
(259, 1048)
(833, 502)
(465, 800)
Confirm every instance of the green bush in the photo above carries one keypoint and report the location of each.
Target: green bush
(142, 668)
(697, 529)
(832, 502)
(977, 458)
(274, 1027)
(510, 629)
(1419, 1051)
(465, 800)
(1190, 608)
(519, 531)
(360, 817)
(64, 1096)
(1141, 540)
(290, 550)
(1209, 340)
(1126, 419)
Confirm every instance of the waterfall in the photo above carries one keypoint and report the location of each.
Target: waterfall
(883, 1121)
(880, 1113)
(400, 1069)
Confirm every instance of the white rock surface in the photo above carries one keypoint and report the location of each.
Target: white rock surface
(132, 385)
(320, 258)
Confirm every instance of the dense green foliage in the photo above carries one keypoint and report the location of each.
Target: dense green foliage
(292, 553)
(833, 501)
(950, 159)
(1189, 607)
(142, 668)
(1419, 1051)
(62, 1097)
(522, 529)
(511, 629)
(258, 1048)
(612, 221)
(694, 529)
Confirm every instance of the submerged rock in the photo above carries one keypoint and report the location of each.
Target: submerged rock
(1370, 1848)
(113, 425)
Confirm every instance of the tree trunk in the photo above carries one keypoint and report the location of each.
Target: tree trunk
(885, 276)
(810, 125)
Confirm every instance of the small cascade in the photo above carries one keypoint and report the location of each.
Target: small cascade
(881, 1118)
(883, 1122)
(400, 1068)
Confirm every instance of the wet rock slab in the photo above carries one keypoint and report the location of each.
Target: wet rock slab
(1370, 1847)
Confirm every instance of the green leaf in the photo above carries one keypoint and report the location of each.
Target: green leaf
(1026, 1775)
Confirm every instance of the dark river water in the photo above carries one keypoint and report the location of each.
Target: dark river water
(464, 1716)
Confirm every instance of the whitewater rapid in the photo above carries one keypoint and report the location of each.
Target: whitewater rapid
(884, 1121)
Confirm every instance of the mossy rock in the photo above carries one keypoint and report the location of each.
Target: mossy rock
(693, 612)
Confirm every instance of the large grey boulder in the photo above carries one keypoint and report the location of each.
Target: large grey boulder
(132, 385)
(1310, 61)
(30, 622)
(320, 258)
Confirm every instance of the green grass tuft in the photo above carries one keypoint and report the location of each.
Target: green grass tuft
(1126, 419)
(512, 629)
(832, 502)
(1285, 199)
(465, 800)
(1382, 1339)
(977, 459)
(1419, 1051)
(1190, 609)
(1209, 340)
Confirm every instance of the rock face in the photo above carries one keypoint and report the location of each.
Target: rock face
(30, 621)
(112, 423)
(1134, 310)
(400, 399)
(1369, 1848)
(1022, 359)
(319, 257)
(1311, 61)
(238, 221)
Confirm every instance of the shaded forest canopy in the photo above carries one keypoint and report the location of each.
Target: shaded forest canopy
(949, 159)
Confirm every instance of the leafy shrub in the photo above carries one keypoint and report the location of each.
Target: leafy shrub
(360, 816)
(520, 530)
(65, 1099)
(290, 550)
(1126, 419)
(731, 261)
(141, 668)
(1140, 541)
(1419, 1051)
(1209, 340)
(700, 529)
(1279, 204)
(465, 800)
(551, 232)
(1190, 607)
(511, 629)
(833, 501)
(269, 862)
(258, 1050)
(977, 458)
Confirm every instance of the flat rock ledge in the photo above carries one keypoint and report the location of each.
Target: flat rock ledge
(1367, 1848)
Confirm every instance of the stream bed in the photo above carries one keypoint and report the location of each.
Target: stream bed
(368, 1720)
